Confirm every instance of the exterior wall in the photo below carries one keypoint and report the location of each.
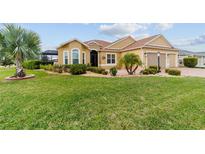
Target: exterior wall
(122, 43)
(103, 59)
(160, 41)
(170, 57)
(69, 47)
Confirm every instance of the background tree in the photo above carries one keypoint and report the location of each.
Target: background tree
(20, 43)
(131, 62)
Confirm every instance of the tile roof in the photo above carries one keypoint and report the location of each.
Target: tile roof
(102, 43)
(139, 43)
(106, 46)
(123, 38)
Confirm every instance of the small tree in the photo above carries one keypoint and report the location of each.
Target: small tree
(19, 43)
(131, 62)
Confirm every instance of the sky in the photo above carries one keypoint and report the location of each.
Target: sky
(187, 36)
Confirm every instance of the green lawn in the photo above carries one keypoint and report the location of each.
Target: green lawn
(77, 102)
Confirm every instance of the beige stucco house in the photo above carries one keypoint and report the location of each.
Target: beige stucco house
(152, 50)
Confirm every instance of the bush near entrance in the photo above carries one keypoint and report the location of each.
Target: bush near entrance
(190, 62)
(78, 69)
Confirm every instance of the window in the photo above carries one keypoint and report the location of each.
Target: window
(65, 57)
(84, 58)
(110, 58)
(75, 56)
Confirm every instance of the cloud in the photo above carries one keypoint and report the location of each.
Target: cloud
(47, 47)
(190, 41)
(121, 29)
(164, 26)
(141, 36)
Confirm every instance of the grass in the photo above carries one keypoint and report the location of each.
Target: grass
(77, 102)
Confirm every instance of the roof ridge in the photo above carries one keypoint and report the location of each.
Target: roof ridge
(73, 39)
(125, 37)
(148, 37)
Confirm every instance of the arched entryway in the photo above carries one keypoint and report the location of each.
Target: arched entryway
(93, 58)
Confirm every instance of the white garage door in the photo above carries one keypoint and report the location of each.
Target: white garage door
(171, 60)
(152, 60)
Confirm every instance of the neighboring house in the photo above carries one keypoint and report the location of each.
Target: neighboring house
(199, 55)
(106, 54)
(50, 55)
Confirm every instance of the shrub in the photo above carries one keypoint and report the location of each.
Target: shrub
(104, 72)
(46, 62)
(166, 70)
(66, 68)
(174, 72)
(91, 69)
(31, 64)
(113, 71)
(190, 62)
(78, 69)
(58, 68)
(35, 64)
(47, 67)
(96, 70)
(145, 71)
(43, 67)
(6, 61)
(153, 67)
(149, 71)
(156, 68)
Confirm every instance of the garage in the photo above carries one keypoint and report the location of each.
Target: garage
(171, 61)
(152, 60)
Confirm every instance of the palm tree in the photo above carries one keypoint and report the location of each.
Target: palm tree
(20, 43)
(130, 60)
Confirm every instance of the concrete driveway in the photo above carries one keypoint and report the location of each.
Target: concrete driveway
(194, 72)
(197, 72)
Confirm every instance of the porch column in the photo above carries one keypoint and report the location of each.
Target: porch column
(177, 60)
(166, 61)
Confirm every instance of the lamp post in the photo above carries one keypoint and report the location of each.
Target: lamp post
(145, 63)
(158, 59)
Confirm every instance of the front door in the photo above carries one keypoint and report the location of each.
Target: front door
(94, 58)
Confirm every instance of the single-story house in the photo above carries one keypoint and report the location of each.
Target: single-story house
(152, 50)
(50, 55)
(199, 55)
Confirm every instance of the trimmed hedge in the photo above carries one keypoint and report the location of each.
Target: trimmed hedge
(190, 62)
(78, 69)
(34, 64)
(31, 64)
(173, 72)
(97, 70)
(156, 68)
(148, 71)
